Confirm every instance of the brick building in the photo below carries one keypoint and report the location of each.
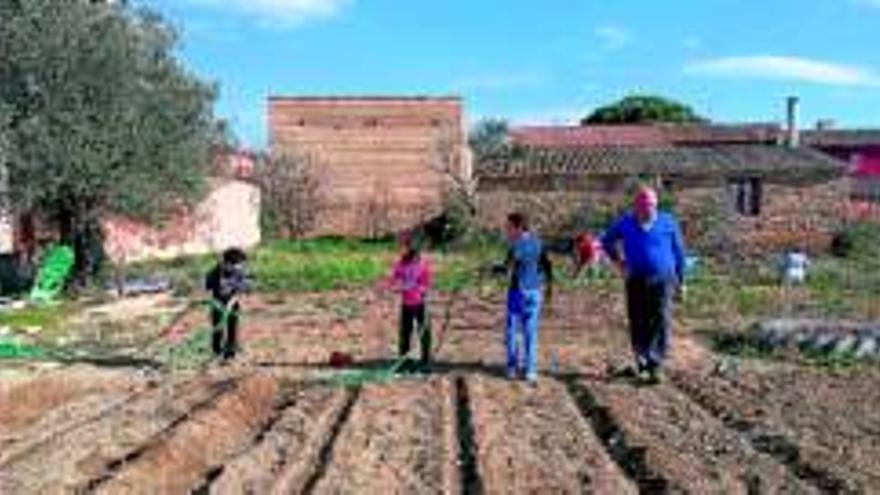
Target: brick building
(383, 163)
(861, 149)
(737, 188)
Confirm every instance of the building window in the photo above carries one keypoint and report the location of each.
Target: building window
(747, 196)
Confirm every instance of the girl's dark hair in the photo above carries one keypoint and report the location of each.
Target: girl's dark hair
(234, 256)
(518, 220)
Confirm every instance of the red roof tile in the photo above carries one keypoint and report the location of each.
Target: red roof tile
(842, 138)
(565, 136)
(644, 135)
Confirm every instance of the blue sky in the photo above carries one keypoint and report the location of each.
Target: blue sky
(547, 61)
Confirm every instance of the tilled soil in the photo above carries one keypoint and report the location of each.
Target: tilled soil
(533, 440)
(282, 458)
(677, 446)
(178, 459)
(398, 438)
(83, 447)
(270, 424)
(825, 426)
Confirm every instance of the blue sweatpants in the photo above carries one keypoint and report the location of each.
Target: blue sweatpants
(523, 311)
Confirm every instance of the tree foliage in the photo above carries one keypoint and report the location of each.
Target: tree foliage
(292, 195)
(100, 117)
(488, 138)
(643, 109)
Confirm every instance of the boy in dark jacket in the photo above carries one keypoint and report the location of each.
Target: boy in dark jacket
(226, 281)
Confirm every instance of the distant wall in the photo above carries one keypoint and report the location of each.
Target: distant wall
(383, 163)
(229, 216)
(804, 214)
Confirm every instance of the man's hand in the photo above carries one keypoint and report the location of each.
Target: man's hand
(499, 269)
(548, 300)
(680, 292)
(620, 267)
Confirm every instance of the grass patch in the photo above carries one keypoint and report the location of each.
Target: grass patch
(320, 265)
(193, 352)
(45, 317)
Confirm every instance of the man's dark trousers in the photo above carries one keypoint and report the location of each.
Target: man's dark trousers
(649, 307)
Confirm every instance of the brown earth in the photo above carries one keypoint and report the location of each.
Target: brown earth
(272, 423)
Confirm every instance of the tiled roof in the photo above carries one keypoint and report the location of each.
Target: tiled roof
(715, 160)
(842, 137)
(644, 135)
(576, 136)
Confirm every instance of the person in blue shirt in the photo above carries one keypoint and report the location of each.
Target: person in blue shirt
(530, 269)
(647, 246)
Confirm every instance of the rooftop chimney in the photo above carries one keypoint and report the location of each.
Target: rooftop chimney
(794, 137)
(825, 124)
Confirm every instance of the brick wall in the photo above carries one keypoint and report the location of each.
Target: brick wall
(802, 215)
(381, 161)
(228, 217)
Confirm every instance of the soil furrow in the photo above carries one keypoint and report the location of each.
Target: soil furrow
(689, 448)
(115, 465)
(326, 453)
(282, 455)
(395, 441)
(79, 455)
(182, 459)
(532, 439)
(766, 438)
(630, 458)
(469, 472)
(287, 399)
(58, 403)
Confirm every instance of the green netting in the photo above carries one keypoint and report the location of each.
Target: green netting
(195, 351)
(10, 349)
(357, 378)
(54, 269)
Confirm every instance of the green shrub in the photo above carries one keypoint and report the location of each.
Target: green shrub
(858, 240)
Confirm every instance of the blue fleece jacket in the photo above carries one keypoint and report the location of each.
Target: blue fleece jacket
(530, 266)
(655, 253)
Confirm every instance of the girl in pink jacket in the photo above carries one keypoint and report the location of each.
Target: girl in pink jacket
(411, 278)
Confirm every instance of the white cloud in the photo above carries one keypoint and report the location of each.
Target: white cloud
(280, 12)
(613, 37)
(785, 68)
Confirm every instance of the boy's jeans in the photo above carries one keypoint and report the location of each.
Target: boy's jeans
(523, 308)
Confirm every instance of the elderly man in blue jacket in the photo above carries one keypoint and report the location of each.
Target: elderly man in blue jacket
(648, 247)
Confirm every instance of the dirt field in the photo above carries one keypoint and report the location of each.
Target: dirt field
(270, 423)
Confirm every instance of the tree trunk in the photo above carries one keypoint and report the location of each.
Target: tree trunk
(83, 233)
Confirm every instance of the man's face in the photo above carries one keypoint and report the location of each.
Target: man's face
(645, 205)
